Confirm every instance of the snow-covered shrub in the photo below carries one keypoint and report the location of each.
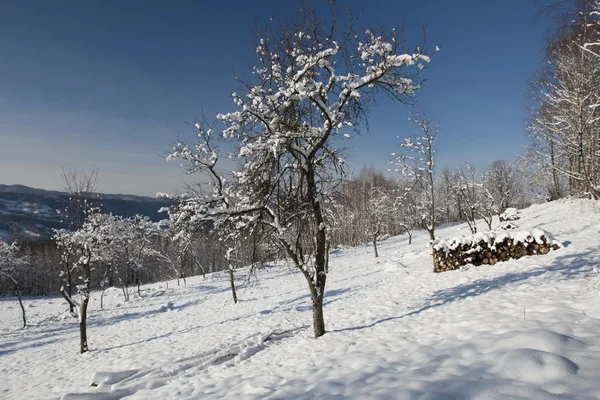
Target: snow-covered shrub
(510, 214)
(508, 225)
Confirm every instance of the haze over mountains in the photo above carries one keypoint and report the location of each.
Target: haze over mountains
(31, 214)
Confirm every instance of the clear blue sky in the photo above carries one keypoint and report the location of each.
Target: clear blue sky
(111, 83)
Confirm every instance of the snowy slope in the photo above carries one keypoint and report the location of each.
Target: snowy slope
(528, 329)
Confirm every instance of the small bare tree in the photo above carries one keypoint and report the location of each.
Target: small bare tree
(467, 190)
(81, 187)
(417, 162)
(500, 180)
(406, 210)
(10, 262)
(91, 244)
(379, 210)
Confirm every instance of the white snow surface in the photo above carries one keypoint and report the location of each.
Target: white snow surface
(523, 329)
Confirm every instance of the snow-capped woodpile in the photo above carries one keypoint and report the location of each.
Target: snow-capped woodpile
(490, 248)
(510, 214)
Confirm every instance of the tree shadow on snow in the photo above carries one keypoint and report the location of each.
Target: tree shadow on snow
(567, 267)
(16, 346)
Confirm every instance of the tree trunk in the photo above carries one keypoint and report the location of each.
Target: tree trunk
(318, 319)
(318, 289)
(83, 324)
(102, 298)
(555, 195)
(375, 246)
(20, 300)
(409, 238)
(232, 282)
(125, 291)
(84, 305)
(431, 233)
(22, 307)
(69, 286)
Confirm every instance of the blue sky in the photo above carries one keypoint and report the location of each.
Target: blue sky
(111, 83)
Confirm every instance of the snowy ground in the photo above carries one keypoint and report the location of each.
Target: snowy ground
(524, 329)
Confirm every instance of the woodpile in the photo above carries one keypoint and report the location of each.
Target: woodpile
(490, 248)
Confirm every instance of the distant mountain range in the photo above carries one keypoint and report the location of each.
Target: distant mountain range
(30, 213)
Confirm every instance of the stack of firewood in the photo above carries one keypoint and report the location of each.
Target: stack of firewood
(490, 248)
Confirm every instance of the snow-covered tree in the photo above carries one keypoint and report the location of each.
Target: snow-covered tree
(593, 43)
(81, 187)
(416, 161)
(379, 211)
(11, 261)
(500, 180)
(135, 240)
(90, 244)
(406, 210)
(565, 116)
(214, 206)
(309, 90)
(467, 189)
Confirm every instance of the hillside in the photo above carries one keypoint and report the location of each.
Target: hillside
(523, 329)
(32, 213)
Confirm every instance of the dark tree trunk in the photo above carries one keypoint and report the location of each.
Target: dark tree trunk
(318, 289)
(125, 291)
(375, 246)
(19, 296)
(232, 283)
(22, 307)
(555, 191)
(431, 234)
(318, 319)
(83, 324)
(409, 238)
(69, 288)
(84, 305)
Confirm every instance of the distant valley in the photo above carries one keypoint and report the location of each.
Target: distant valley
(30, 214)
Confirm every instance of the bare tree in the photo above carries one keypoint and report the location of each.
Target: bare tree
(380, 208)
(10, 263)
(81, 187)
(417, 161)
(91, 244)
(466, 187)
(566, 112)
(501, 182)
(406, 210)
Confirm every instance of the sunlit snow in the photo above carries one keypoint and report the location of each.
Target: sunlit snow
(526, 329)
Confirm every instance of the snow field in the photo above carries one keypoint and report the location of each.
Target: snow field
(526, 328)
